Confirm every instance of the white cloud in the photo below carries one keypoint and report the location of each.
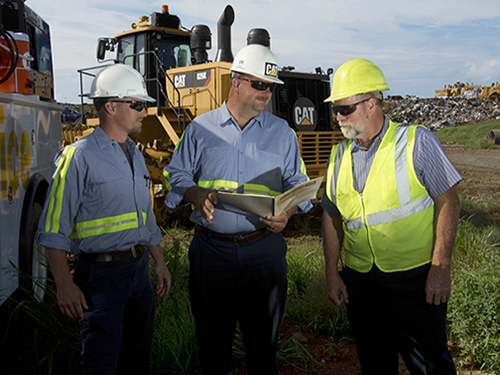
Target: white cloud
(420, 45)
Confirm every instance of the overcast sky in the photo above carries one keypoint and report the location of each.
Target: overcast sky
(419, 45)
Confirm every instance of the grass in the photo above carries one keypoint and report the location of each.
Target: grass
(308, 302)
(473, 309)
(55, 338)
(474, 136)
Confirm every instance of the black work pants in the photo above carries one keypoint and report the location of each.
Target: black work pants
(243, 284)
(388, 313)
(117, 330)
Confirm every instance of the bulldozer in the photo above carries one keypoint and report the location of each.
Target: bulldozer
(178, 74)
(456, 89)
(491, 92)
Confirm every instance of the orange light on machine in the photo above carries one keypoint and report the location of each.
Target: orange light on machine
(164, 8)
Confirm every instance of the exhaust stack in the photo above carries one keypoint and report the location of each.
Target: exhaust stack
(224, 35)
(259, 36)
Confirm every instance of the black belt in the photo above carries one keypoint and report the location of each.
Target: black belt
(134, 252)
(238, 239)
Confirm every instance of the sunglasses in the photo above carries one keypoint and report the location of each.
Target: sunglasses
(346, 110)
(134, 104)
(259, 85)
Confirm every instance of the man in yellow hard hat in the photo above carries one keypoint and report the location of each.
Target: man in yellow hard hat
(391, 203)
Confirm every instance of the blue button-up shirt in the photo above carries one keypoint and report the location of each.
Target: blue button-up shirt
(214, 152)
(95, 202)
(433, 168)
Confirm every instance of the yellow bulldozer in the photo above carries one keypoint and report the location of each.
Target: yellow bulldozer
(485, 92)
(174, 63)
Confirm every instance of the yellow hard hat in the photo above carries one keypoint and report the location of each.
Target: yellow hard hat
(356, 77)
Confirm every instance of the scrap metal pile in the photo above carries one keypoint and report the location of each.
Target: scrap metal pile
(438, 113)
(434, 113)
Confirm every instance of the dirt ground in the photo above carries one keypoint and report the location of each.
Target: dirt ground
(480, 170)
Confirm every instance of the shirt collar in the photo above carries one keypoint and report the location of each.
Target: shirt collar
(103, 139)
(356, 146)
(225, 117)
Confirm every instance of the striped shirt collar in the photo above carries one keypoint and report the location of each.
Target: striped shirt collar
(357, 146)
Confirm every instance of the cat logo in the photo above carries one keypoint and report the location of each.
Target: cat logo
(271, 70)
(304, 115)
(180, 80)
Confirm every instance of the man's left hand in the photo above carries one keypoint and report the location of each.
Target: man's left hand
(164, 279)
(277, 223)
(438, 285)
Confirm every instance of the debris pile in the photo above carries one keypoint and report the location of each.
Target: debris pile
(434, 113)
(438, 113)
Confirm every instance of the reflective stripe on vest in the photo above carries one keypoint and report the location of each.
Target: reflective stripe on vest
(391, 222)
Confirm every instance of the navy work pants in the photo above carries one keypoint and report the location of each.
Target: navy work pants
(117, 330)
(243, 284)
(388, 313)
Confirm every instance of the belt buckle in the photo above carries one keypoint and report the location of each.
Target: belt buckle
(133, 251)
(237, 239)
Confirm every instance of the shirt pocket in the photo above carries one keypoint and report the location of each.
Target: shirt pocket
(268, 169)
(214, 164)
(114, 195)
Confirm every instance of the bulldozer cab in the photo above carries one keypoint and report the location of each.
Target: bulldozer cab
(151, 50)
(152, 53)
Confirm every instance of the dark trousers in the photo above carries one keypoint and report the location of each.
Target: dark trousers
(244, 283)
(388, 313)
(117, 330)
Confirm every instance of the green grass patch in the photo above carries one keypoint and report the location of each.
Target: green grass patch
(474, 309)
(308, 303)
(474, 136)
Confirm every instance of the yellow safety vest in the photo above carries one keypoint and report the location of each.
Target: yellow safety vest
(391, 223)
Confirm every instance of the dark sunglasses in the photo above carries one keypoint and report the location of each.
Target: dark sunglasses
(346, 110)
(260, 85)
(134, 104)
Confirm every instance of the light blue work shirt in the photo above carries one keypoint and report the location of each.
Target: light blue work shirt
(95, 202)
(215, 151)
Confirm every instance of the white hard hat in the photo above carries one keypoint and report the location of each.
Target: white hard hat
(258, 61)
(119, 81)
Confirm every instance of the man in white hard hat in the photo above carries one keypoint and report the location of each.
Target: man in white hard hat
(391, 204)
(237, 259)
(99, 208)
